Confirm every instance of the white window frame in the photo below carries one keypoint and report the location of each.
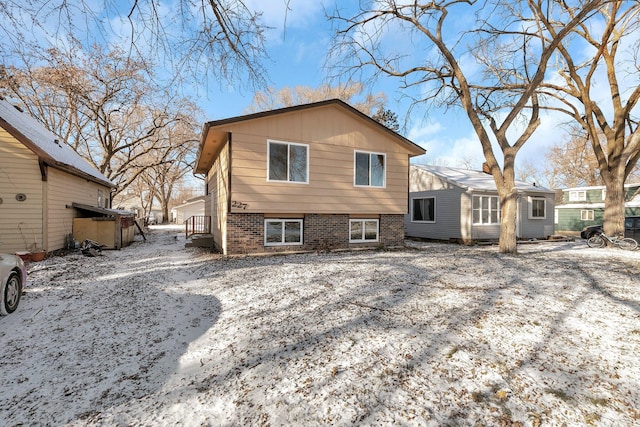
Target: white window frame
(434, 209)
(100, 198)
(288, 144)
(282, 241)
(355, 171)
(577, 196)
(490, 210)
(586, 215)
(531, 200)
(363, 238)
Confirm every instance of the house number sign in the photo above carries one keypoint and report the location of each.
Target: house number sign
(239, 205)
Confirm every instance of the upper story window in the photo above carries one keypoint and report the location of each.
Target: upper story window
(537, 208)
(370, 169)
(486, 210)
(577, 196)
(423, 209)
(100, 198)
(288, 162)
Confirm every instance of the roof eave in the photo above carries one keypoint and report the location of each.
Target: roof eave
(412, 148)
(76, 172)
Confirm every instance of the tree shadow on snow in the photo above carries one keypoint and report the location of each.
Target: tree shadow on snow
(90, 336)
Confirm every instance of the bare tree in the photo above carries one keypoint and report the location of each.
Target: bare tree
(219, 38)
(608, 121)
(571, 163)
(104, 105)
(493, 69)
(528, 172)
(167, 173)
(351, 93)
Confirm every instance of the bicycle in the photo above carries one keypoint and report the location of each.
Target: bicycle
(599, 240)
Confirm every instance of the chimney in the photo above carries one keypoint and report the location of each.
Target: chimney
(485, 168)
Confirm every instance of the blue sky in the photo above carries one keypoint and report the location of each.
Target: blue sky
(298, 44)
(298, 51)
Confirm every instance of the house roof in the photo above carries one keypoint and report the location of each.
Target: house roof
(192, 201)
(47, 145)
(475, 180)
(597, 187)
(103, 211)
(217, 139)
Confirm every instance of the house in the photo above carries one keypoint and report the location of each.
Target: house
(309, 177)
(40, 179)
(189, 208)
(584, 206)
(463, 205)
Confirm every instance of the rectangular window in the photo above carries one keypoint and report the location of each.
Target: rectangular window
(363, 230)
(100, 196)
(537, 208)
(288, 162)
(486, 210)
(423, 210)
(577, 196)
(586, 215)
(370, 169)
(282, 232)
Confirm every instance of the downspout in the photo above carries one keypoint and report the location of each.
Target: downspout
(44, 173)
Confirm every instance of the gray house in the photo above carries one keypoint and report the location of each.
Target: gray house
(463, 205)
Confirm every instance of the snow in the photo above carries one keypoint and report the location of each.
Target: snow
(430, 335)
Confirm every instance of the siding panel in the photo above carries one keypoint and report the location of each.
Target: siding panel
(62, 190)
(447, 212)
(331, 175)
(20, 222)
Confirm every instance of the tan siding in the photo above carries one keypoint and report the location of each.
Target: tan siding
(20, 222)
(62, 190)
(218, 193)
(331, 170)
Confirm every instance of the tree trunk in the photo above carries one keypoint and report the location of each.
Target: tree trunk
(508, 208)
(614, 204)
(165, 213)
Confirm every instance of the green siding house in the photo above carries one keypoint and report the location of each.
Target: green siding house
(584, 206)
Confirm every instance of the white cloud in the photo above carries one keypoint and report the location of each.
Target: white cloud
(421, 132)
(442, 149)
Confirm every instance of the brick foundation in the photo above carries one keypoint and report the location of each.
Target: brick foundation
(245, 233)
(392, 230)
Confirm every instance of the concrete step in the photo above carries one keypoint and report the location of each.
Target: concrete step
(200, 241)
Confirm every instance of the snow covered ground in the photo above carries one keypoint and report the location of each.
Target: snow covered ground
(435, 334)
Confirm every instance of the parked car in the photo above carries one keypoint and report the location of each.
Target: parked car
(631, 229)
(13, 276)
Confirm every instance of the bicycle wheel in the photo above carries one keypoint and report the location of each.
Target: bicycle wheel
(627, 243)
(596, 242)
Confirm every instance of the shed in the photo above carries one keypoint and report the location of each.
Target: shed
(191, 207)
(111, 228)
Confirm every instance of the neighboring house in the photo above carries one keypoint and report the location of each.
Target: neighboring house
(310, 177)
(584, 206)
(191, 207)
(40, 179)
(463, 205)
